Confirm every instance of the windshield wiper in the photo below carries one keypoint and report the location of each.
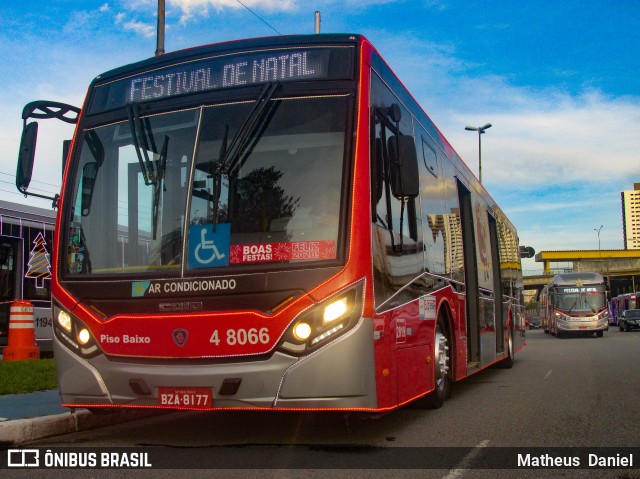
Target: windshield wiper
(247, 130)
(230, 154)
(215, 173)
(158, 184)
(152, 171)
(137, 128)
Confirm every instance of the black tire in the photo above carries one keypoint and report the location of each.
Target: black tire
(620, 326)
(599, 334)
(441, 370)
(509, 361)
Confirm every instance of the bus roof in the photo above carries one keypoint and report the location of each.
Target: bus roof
(19, 211)
(566, 279)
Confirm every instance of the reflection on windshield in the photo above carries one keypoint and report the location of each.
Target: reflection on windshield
(280, 194)
(277, 201)
(580, 302)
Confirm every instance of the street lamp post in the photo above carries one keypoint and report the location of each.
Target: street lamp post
(480, 130)
(160, 31)
(597, 230)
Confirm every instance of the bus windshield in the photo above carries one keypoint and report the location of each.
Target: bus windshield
(207, 188)
(581, 301)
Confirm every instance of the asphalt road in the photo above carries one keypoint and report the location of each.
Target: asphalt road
(575, 392)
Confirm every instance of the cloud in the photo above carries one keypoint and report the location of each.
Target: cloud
(200, 8)
(436, 4)
(554, 160)
(550, 138)
(78, 21)
(144, 29)
(366, 3)
(540, 136)
(190, 10)
(147, 30)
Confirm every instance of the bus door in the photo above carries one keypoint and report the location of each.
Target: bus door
(8, 284)
(478, 265)
(500, 310)
(470, 276)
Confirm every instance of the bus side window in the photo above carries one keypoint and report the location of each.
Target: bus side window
(437, 231)
(429, 157)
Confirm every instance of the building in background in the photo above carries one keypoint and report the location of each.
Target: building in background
(631, 217)
(26, 238)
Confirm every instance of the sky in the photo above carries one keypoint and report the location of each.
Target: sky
(559, 80)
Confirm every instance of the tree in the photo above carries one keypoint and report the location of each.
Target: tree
(261, 201)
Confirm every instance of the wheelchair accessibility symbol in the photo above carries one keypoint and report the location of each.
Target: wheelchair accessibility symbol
(208, 249)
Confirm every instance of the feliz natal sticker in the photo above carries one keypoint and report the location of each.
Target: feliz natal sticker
(283, 251)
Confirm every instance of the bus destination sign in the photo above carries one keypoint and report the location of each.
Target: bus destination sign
(583, 289)
(225, 71)
(211, 75)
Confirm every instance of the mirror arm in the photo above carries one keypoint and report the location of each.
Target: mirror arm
(55, 198)
(43, 109)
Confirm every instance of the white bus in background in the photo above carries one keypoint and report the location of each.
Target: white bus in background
(575, 303)
(26, 238)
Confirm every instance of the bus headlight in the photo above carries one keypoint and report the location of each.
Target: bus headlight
(334, 310)
(64, 320)
(84, 336)
(562, 317)
(302, 331)
(323, 323)
(74, 334)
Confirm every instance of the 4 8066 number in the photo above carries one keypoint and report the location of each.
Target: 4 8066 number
(240, 337)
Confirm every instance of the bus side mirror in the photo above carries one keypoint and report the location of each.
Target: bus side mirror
(404, 167)
(26, 156)
(89, 175)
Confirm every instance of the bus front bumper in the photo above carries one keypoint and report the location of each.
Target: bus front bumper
(582, 325)
(341, 375)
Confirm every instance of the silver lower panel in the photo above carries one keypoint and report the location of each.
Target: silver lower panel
(339, 375)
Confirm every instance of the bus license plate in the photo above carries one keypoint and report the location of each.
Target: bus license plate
(185, 397)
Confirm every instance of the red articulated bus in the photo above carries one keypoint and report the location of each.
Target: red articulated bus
(271, 223)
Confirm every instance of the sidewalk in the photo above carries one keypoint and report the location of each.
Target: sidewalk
(29, 417)
(22, 406)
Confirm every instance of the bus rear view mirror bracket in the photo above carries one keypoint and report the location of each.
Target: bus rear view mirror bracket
(40, 109)
(89, 175)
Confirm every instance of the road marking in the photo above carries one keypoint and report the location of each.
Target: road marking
(546, 376)
(458, 471)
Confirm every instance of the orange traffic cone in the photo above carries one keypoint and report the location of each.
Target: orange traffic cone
(22, 334)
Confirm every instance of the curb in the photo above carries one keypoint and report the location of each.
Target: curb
(22, 431)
